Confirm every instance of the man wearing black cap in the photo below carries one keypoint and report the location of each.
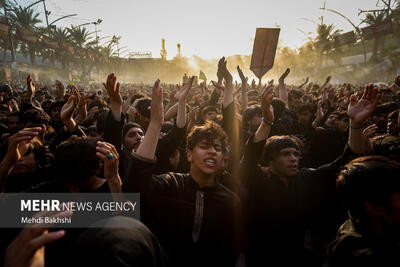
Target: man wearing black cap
(283, 202)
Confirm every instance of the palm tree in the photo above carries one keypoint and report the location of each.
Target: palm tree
(326, 40)
(372, 19)
(79, 37)
(27, 19)
(6, 41)
(63, 37)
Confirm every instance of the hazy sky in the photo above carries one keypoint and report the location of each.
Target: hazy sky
(208, 28)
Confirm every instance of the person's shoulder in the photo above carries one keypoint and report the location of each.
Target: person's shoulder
(172, 179)
(349, 243)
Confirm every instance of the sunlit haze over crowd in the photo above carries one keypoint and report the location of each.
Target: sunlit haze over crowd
(207, 28)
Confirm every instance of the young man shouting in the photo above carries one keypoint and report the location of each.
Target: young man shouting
(191, 214)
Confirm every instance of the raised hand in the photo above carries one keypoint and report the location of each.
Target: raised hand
(108, 153)
(69, 108)
(82, 107)
(30, 86)
(157, 110)
(27, 249)
(320, 111)
(30, 89)
(266, 100)
(284, 75)
(18, 144)
(360, 110)
(325, 95)
(112, 88)
(219, 70)
(223, 71)
(328, 79)
(182, 93)
(242, 77)
(370, 130)
(60, 89)
(218, 86)
(368, 133)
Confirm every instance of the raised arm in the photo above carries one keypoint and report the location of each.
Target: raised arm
(68, 110)
(17, 146)
(181, 95)
(112, 88)
(147, 148)
(283, 93)
(226, 75)
(243, 97)
(263, 130)
(60, 90)
(320, 115)
(301, 85)
(108, 153)
(359, 111)
(325, 90)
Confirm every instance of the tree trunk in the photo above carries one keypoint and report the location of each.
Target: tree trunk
(33, 58)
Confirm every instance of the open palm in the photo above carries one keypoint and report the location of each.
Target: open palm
(360, 110)
(182, 93)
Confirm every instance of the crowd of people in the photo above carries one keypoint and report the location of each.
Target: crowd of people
(229, 174)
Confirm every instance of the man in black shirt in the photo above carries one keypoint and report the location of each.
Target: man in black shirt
(281, 205)
(192, 214)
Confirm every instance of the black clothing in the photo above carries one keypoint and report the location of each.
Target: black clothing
(326, 146)
(278, 216)
(166, 146)
(286, 124)
(125, 242)
(194, 225)
(352, 247)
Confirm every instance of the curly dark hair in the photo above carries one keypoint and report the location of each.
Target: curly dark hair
(210, 132)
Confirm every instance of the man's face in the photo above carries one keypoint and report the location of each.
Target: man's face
(254, 123)
(295, 101)
(286, 164)
(206, 157)
(25, 165)
(331, 121)
(380, 120)
(210, 115)
(342, 124)
(95, 136)
(253, 97)
(13, 123)
(304, 117)
(133, 138)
